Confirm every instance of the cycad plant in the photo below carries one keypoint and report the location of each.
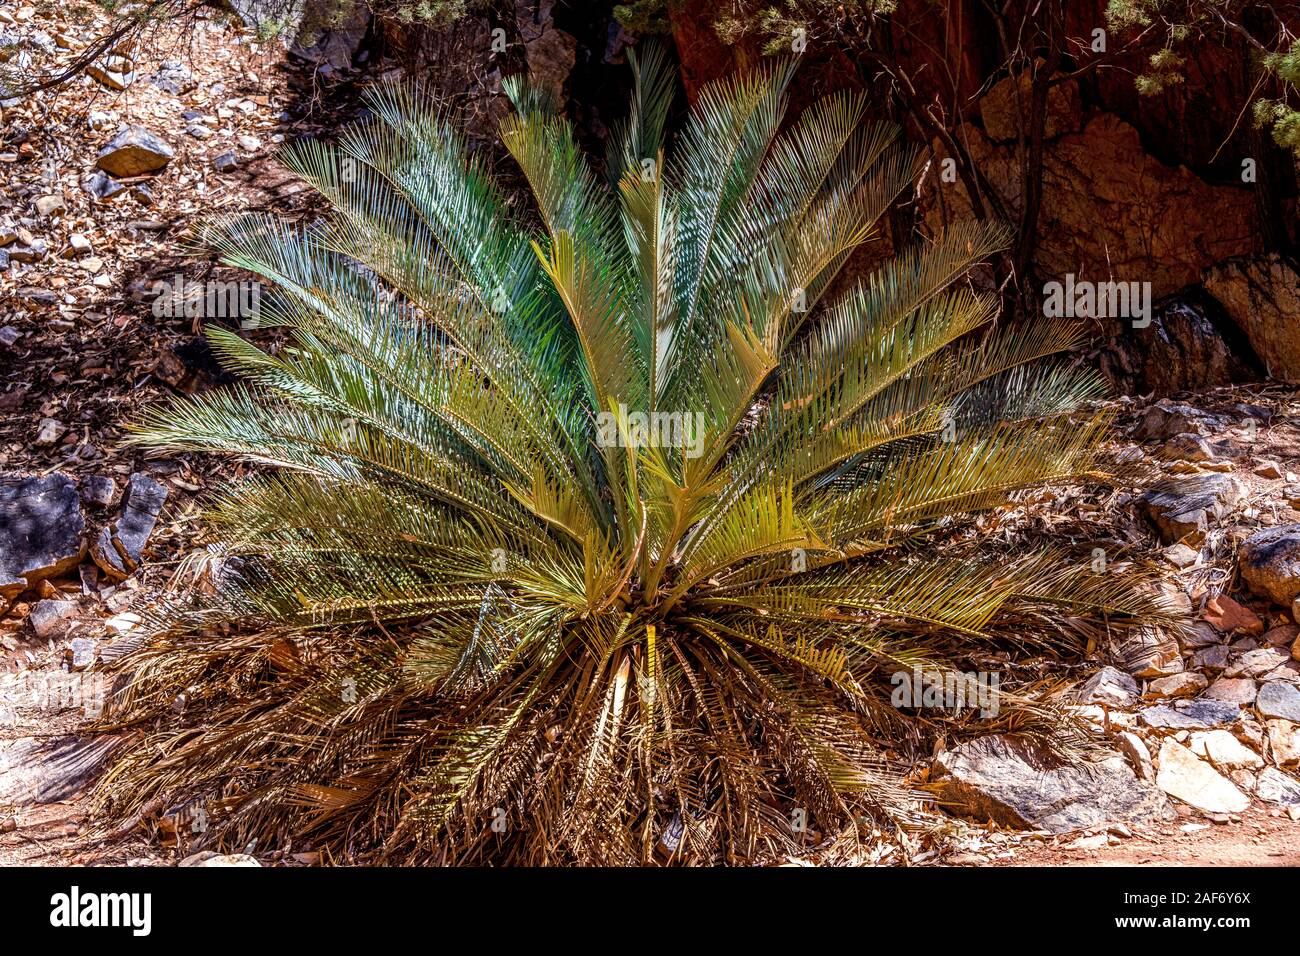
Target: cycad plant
(598, 527)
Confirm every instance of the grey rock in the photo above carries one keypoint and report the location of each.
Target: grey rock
(1276, 787)
(1187, 446)
(1202, 634)
(1211, 659)
(50, 619)
(1248, 410)
(336, 47)
(102, 186)
(133, 152)
(1240, 691)
(1195, 714)
(1257, 662)
(37, 296)
(550, 52)
(98, 491)
(33, 251)
(43, 41)
(10, 45)
(1011, 781)
(83, 653)
(1165, 419)
(1286, 671)
(1270, 563)
(119, 548)
(42, 530)
(1149, 652)
(261, 15)
(226, 162)
(1185, 509)
(1108, 686)
(1279, 699)
(173, 77)
(1184, 347)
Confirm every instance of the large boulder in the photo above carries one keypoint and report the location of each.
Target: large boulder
(1261, 294)
(42, 531)
(1270, 562)
(1012, 781)
(1190, 344)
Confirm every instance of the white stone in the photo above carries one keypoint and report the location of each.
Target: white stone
(1224, 750)
(1188, 778)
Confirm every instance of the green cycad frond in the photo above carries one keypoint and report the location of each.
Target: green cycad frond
(639, 136)
(609, 531)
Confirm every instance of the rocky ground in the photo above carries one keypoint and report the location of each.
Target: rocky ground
(1204, 724)
(99, 184)
(101, 181)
